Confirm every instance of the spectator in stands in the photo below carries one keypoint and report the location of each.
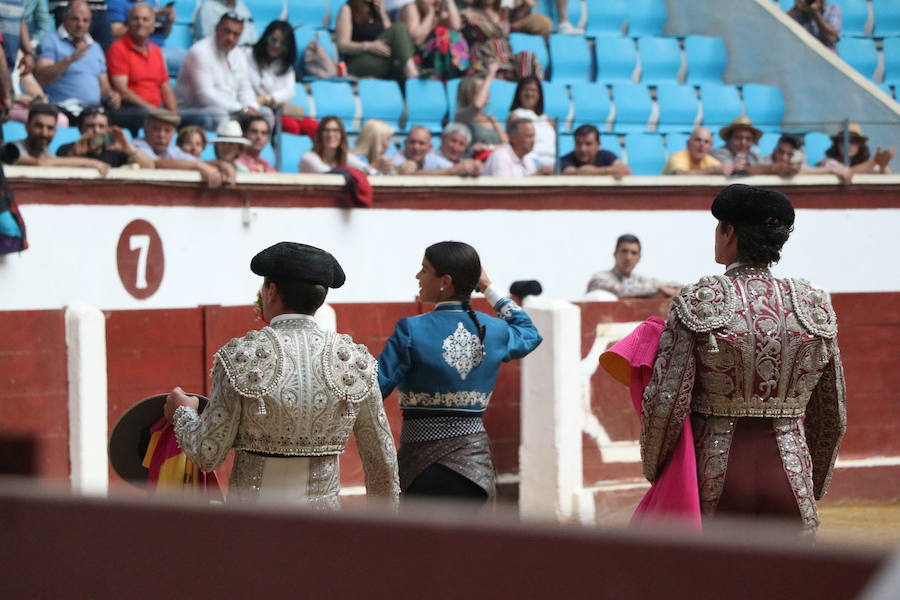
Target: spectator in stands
(737, 156)
(34, 150)
(789, 149)
(565, 26)
(436, 30)
(163, 18)
(372, 145)
(696, 158)
(514, 159)
(102, 142)
(71, 66)
(821, 19)
(471, 98)
(99, 23)
(37, 19)
(330, 149)
(589, 159)
(528, 103)
(861, 159)
(191, 139)
(159, 129)
(258, 133)
(214, 81)
(137, 71)
(418, 156)
(486, 26)
(370, 45)
(210, 13)
(621, 279)
(229, 143)
(271, 61)
(15, 37)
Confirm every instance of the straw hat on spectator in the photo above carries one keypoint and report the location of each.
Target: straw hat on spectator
(856, 134)
(740, 123)
(166, 116)
(230, 131)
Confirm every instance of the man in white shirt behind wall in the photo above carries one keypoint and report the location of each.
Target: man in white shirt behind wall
(214, 81)
(514, 158)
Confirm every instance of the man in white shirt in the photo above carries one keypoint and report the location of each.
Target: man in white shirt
(214, 81)
(514, 158)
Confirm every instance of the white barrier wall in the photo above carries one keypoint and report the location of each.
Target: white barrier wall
(207, 251)
(550, 465)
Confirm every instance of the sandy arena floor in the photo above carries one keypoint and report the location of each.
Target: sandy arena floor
(863, 523)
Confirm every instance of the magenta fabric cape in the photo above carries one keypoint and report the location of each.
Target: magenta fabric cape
(674, 495)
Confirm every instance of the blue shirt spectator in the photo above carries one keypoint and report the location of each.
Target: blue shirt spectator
(71, 65)
(11, 14)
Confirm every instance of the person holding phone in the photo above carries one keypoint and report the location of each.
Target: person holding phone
(102, 142)
(822, 19)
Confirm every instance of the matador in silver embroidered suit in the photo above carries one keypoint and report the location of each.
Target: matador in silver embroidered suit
(746, 349)
(287, 398)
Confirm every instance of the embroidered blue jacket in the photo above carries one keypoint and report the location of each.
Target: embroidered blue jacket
(437, 362)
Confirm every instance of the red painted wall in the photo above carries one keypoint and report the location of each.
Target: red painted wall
(150, 351)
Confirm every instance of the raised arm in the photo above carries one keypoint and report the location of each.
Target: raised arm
(523, 335)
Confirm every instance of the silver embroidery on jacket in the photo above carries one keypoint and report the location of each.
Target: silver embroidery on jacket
(463, 350)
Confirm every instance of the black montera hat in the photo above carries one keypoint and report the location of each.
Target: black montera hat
(741, 204)
(130, 437)
(290, 260)
(525, 288)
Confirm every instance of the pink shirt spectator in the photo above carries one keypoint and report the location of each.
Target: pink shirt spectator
(255, 165)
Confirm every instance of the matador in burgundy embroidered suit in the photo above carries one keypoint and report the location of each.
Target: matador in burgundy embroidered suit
(754, 361)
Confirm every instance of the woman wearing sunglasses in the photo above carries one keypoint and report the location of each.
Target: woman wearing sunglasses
(271, 62)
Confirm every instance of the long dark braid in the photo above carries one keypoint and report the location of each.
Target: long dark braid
(461, 262)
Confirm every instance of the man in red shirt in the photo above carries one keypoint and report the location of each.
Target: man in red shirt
(137, 70)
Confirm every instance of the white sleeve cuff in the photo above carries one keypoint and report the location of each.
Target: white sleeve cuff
(493, 295)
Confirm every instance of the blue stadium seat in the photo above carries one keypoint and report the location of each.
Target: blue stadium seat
(721, 105)
(592, 105)
(606, 17)
(660, 59)
(707, 58)
(646, 17)
(616, 58)
(266, 11)
(14, 131)
(268, 153)
(815, 147)
(785, 5)
(301, 99)
(556, 101)
(571, 58)
(764, 105)
(334, 98)
(184, 12)
(426, 103)
(633, 106)
(309, 13)
(293, 147)
(452, 90)
(854, 15)
(677, 107)
(520, 42)
(676, 142)
(646, 154)
(209, 151)
(181, 36)
(565, 143)
(891, 54)
(610, 141)
(381, 99)
(64, 135)
(501, 98)
(860, 54)
(767, 143)
(887, 17)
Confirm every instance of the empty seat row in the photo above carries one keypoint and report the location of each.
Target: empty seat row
(862, 55)
(621, 107)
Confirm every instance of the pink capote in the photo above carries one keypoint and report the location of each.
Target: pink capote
(674, 495)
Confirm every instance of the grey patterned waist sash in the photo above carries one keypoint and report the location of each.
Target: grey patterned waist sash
(426, 429)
